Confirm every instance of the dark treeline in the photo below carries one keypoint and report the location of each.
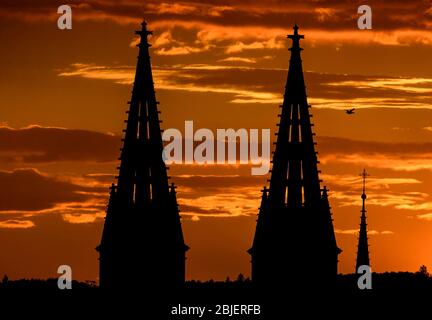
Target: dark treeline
(387, 281)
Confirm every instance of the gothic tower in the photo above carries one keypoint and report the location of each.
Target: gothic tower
(294, 238)
(363, 247)
(142, 242)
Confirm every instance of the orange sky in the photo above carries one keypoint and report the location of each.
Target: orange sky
(63, 102)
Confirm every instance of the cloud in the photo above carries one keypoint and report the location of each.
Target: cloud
(36, 144)
(382, 191)
(31, 190)
(396, 162)
(238, 59)
(194, 78)
(374, 183)
(242, 12)
(212, 183)
(399, 23)
(82, 198)
(27, 194)
(383, 198)
(325, 14)
(119, 74)
(238, 202)
(174, 8)
(413, 156)
(337, 145)
(89, 191)
(414, 206)
(250, 85)
(356, 232)
(218, 196)
(425, 216)
(167, 45)
(273, 43)
(80, 218)
(173, 51)
(16, 224)
(193, 210)
(33, 145)
(165, 38)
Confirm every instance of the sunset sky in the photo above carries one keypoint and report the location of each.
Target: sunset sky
(222, 64)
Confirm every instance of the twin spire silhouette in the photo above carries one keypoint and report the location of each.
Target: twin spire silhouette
(294, 236)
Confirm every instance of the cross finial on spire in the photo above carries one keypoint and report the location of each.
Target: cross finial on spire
(295, 38)
(144, 33)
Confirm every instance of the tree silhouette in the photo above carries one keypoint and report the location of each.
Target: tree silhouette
(240, 278)
(423, 271)
(5, 280)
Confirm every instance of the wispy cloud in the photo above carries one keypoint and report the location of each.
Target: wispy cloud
(238, 59)
(250, 85)
(374, 183)
(327, 21)
(174, 51)
(36, 144)
(425, 216)
(119, 74)
(370, 232)
(273, 43)
(382, 161)
(223, 198)
(186, 78)
(16, 224)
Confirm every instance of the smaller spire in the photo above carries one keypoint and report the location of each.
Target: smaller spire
(363, 246)
(364, 175)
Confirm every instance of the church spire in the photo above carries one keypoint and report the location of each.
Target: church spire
(142, 227)
(296, 236)
(363, 247)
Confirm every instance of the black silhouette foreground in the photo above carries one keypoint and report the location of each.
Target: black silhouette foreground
(388, 291)
(345, 283)
(142, 240)
(142, 244)
(294, 239)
